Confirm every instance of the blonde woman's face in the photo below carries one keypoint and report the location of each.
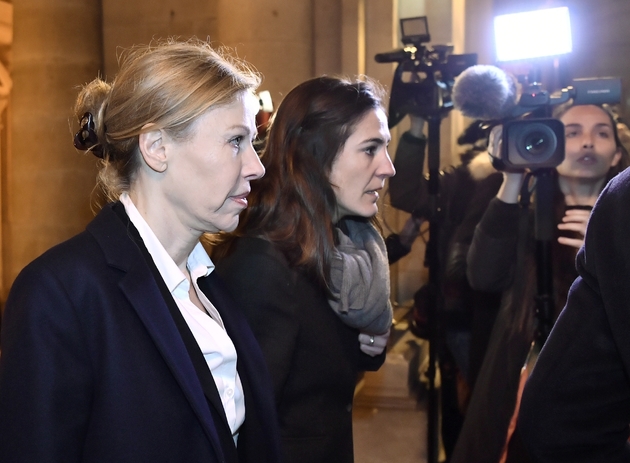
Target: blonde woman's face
(208, 175)
(358, 173)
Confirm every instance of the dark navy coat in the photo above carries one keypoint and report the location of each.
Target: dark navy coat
(95, 369)
(576, 404)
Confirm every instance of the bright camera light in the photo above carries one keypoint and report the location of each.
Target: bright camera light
(532, 34)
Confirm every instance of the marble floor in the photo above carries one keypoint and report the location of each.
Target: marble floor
(390, 418)
(390, 435)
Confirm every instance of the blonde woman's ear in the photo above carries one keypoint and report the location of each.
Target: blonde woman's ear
(152, 149)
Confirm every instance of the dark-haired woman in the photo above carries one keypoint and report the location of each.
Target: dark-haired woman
(308, 266)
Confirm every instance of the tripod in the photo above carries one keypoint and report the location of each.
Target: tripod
(435, 299)
(544, 228)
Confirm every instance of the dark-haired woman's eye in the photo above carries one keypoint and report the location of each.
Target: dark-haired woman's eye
(371, 150)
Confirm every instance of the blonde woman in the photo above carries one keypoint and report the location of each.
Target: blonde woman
(120, 345)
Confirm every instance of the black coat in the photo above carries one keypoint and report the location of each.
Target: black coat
(313, 358)
(464, 194)
(503, 257)
(94, 368)
(576, 404)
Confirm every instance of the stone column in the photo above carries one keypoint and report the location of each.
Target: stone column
(6, 85)
(276, 36)
(46, 183)
(133, 22)
(327, 36)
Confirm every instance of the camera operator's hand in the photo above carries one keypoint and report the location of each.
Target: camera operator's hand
(417, 126)
(511, 187)
(512, 181)
(410, 231)
(574, 220)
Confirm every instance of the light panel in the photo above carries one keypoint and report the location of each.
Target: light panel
(532, 34)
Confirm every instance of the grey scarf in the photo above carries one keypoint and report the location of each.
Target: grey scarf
(360, 279)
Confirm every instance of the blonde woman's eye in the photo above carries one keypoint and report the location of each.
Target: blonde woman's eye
(236, 141)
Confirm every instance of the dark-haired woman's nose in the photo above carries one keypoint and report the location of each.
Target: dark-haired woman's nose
(386, 167)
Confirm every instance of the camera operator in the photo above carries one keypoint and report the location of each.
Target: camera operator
(465, 191)
(502, 257)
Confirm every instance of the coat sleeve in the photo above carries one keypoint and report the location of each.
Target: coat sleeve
(408, 189)
(492, 254)
(45, 374)
(576, 404)
(484, 191)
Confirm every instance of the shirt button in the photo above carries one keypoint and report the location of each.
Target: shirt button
(229, 391)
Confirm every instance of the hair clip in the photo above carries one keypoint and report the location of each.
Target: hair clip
(86, 137)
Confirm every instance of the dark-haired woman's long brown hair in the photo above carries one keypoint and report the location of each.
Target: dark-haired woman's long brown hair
(293, 205)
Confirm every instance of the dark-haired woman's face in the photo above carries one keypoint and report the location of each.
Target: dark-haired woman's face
(590, 147)
(358, 173)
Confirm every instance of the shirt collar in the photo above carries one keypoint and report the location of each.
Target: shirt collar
(199, 263)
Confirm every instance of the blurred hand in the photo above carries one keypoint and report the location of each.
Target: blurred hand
(511, 187)
(410, 231)
(373, 344)
(574, 220)
(417, 126)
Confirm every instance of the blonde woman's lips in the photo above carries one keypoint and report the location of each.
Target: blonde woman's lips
(240, 199)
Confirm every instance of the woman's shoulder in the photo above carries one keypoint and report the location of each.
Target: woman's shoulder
(67, 254)
(251, 255)
(618, 186)
(68, 268)
(83, 254)
(610, 215)
(254, 249)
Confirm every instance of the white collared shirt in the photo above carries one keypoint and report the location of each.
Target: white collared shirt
(213, 340)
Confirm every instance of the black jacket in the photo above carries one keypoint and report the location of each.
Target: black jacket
(314, 359)
(464, 193)
(502, 257)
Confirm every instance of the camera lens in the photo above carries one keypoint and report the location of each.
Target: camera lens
(536, 142)
(532, 143)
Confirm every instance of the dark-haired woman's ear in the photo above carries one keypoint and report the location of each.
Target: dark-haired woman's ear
(152, 149)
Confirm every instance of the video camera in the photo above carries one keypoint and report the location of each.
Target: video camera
(424, 77)
(530, 140)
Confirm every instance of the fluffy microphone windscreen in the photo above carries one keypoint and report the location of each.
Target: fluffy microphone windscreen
(484, 92)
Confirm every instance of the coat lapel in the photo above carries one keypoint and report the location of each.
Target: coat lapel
(144, 295)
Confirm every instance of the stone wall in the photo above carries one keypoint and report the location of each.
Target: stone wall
(46, 183)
